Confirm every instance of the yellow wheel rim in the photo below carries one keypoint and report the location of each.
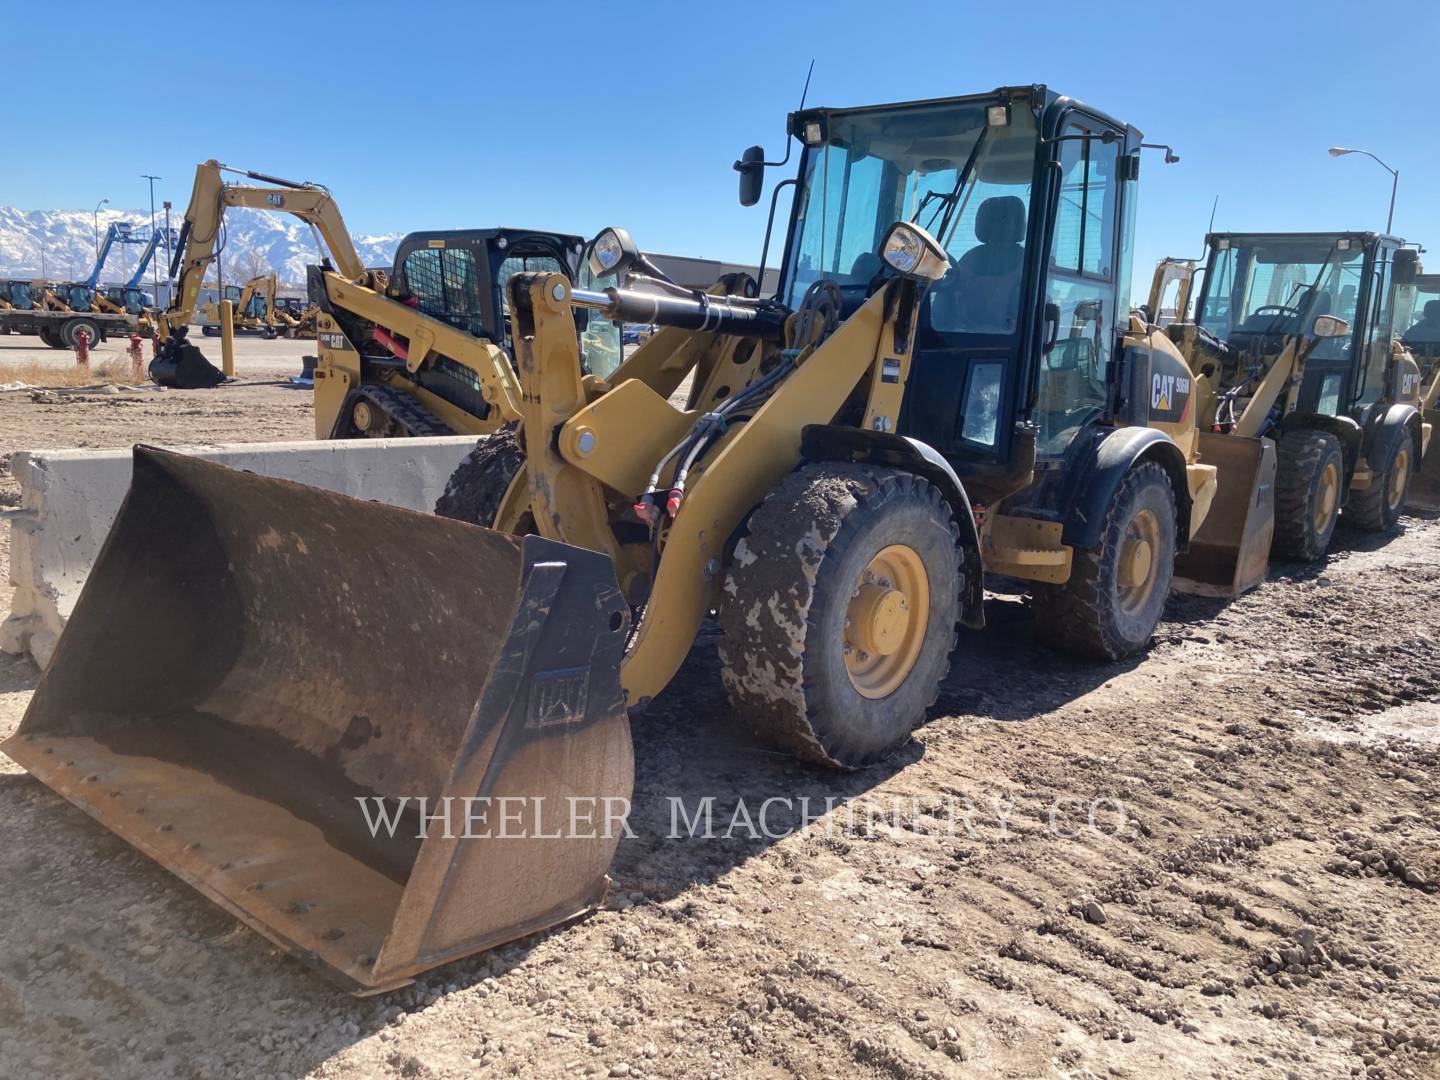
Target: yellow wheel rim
(1399, 477)
(885, 621)
(1138, 568)
(1327, 497)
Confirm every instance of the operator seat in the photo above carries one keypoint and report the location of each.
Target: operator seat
(1427, 330)
(981, 293)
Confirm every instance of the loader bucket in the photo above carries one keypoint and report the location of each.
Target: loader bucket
(1230, 552)
(1424, 491)
(250, 658)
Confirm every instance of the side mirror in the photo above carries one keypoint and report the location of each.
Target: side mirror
(751, 168)
(1329, 326)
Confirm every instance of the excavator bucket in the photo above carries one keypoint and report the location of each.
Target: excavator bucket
(261, 679)
(1230, 552)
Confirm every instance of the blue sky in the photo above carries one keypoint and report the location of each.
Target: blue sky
(576, 116)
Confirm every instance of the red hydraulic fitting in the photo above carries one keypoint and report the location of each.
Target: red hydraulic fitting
(672, 504)
(645, 511)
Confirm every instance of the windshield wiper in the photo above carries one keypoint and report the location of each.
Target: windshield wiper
(949, 201)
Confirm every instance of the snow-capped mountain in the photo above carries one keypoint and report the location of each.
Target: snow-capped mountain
(60, 244)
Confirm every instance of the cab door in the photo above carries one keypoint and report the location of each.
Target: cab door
(1085, 295)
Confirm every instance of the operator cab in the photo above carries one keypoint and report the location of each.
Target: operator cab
(1421, 333)
(1262, 290)
(1031, 196)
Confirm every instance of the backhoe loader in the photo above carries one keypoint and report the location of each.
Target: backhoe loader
(1293, 340)
(254, 308)
(419, 351)
(948, 385)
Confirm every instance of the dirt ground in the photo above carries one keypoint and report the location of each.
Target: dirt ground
(1254, 898)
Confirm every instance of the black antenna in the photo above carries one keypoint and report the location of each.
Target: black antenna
(775, 192)
(789, 142)
(1213, 207)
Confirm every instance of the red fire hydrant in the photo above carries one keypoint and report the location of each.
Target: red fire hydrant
(137, 356)
(82, 348)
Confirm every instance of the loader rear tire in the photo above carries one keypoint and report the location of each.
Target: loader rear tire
(1109, 608)
(1379, 506)
(839, 611)
(477, 487)
(1309, 476)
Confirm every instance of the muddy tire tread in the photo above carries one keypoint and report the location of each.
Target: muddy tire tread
(1299, 458)
(477, 487)
(792, 723)
(1070, 616)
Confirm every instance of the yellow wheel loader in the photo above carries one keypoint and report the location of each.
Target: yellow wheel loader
(420, 351)
(1418, 318)
(948, 385)
(1294, 341)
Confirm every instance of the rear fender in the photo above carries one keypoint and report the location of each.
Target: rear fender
(1402, 416)
(1113, 457)
(834, 442)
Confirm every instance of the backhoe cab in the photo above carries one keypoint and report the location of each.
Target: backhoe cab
(1294, 339)
(948, 385)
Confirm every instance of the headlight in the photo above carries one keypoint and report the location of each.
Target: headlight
(611, 253)
(912, 252)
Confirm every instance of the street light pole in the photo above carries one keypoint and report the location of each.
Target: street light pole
(1341, 151)
(95, 222)
(154, 269)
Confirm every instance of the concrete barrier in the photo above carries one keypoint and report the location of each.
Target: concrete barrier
(69, 499)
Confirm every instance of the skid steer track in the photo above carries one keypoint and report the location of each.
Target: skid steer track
(251, 659)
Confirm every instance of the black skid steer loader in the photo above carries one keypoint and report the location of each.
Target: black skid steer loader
(947, 385)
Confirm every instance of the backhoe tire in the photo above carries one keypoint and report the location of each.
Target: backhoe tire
(1111, 604)
(1309, 476)
(477, 487)
(1379, 506)
(839, 611)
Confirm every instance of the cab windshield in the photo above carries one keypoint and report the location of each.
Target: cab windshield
(1278, 285)
(880, 166)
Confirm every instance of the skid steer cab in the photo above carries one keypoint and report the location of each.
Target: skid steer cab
(1296, 339)
(947, 385)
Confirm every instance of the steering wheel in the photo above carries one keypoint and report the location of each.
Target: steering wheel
(1276, 309)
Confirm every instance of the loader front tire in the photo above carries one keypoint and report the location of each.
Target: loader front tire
(477, 487)
(1111, 604)
(839, 611)
(1379, 506)
(1309, 477)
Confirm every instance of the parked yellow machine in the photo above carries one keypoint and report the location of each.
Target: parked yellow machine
(420, 351)
(1418, 321)
(948, 385)
(253, 303)
(1295, 339)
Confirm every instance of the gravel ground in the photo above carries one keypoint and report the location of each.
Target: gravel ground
(1255, 897)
